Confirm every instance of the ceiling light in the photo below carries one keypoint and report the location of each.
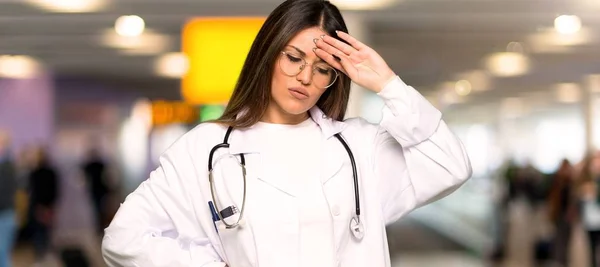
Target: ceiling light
(172, 65)
(462, 87)
(567, 24)
(515, 47)
(69, 6)
(448, 96)
(551, 41)
(362, 4)
(479, 79)
(148, 43)
(130, 26)
(507, 64)
(18, 67)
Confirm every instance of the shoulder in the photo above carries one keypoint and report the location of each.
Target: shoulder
(361, 127)
(361, 132)
(206, 132)
(198, 138)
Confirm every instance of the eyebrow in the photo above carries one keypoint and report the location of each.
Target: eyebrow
(303, 54)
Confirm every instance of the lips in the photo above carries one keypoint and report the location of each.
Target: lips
(299, 92)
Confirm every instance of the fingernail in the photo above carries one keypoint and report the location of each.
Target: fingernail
(322, 36)
(315, 40)
(314, 49)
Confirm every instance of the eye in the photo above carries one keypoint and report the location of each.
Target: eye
(323, 69)
(293, 58)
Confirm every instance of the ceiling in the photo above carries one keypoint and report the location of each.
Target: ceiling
(427, 42)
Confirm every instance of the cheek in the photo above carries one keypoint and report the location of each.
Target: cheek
(278, 83)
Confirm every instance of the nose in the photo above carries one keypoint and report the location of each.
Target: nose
(305, 75)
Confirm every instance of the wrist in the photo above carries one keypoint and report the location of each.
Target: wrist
(385, 81)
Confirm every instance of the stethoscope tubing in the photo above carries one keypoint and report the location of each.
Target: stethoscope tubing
(242, 164)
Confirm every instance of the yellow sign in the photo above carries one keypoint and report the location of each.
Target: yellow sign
(164, 113)
(217, 49)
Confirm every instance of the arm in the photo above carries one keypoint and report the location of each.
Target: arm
(144, 231)
(416, 158)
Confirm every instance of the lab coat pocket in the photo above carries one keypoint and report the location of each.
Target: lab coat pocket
(238, 244)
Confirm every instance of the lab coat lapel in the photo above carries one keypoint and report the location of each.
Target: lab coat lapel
(331, 158)
(242, 141)
(246, 142)
(332, 161)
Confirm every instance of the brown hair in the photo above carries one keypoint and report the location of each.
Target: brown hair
(252, 91)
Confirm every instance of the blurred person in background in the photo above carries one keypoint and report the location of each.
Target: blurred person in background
(95, 171)
(8, 189)
(589, 177)
(562, 209)
(25, 162)
(43, 194)
(505, 193)
(327, 186)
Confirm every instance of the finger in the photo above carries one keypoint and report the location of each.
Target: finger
(346, 48)
(351, 40)
(347, 66)
(329, 59)
(329, 48)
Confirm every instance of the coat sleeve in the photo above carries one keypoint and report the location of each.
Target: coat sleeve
(146, 231)
(416, 158)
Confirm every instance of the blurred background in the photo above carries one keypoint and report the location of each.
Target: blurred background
(92, 91)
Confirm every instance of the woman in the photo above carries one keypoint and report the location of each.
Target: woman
(285, 113)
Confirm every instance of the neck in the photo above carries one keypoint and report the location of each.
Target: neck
(278, 116)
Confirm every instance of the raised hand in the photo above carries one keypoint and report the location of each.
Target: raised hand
(358, 61)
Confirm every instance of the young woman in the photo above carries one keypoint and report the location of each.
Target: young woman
(282, 179)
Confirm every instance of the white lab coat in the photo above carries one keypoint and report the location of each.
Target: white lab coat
(410, 159)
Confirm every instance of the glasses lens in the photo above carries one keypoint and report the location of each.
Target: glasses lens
(324, 75)
(290, 63)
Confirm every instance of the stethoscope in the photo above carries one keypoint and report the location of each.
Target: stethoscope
(356, 226)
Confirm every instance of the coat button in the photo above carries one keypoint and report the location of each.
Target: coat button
(335, 210)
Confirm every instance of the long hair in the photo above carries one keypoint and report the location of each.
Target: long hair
(252, 92)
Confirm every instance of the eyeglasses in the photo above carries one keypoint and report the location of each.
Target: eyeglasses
(323, 75)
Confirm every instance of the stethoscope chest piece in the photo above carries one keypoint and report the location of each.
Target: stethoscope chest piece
(357, 228)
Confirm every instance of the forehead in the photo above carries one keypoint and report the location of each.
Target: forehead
(304, 38)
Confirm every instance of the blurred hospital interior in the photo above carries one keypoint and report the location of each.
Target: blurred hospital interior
(93, 91)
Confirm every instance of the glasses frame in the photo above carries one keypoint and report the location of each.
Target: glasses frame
(301, 68)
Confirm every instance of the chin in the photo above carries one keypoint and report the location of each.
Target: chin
(295, 108)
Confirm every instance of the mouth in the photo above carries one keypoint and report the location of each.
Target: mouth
(298, 92)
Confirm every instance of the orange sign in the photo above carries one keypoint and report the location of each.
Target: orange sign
(164, 113)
